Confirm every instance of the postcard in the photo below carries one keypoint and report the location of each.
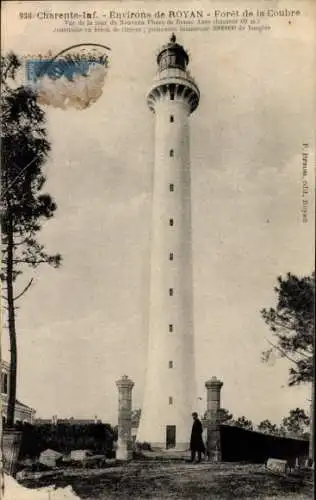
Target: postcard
(158, 240)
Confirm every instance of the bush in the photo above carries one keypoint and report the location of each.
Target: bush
(97, 438)
(143, 446)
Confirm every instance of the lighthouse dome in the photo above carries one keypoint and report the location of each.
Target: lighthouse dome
(172, 55)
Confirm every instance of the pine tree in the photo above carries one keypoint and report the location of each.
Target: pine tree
(24, 207)
(292, 322)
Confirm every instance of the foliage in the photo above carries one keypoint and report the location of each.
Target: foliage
(225, 416)
(296, 424)
(24, 207)
(243, 423)
(292, 323)
(24, 150)
(267, 427)
(136, 417)
(97, 438)
(143, 446)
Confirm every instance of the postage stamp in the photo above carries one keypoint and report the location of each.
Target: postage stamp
(73, 78)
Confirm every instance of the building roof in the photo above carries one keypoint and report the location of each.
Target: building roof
(4, 364)
(4, 397)
(4, 400)
(24, 405)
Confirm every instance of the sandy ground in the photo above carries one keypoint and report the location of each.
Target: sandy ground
(140, 480)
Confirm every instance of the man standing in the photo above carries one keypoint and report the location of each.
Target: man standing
(196, 441)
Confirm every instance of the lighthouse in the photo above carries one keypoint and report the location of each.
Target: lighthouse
(169, 396)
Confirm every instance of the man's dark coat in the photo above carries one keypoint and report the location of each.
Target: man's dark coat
(196, 442)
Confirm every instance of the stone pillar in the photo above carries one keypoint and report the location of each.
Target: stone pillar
(213, 387)
(124, 444)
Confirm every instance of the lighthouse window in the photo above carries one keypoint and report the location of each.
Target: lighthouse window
(171, 256)
(170, 364)
(170, 400)
(171, 118)
(170, 222)
(171, 152)
(170, 328)
(171, 292)
(171, 187)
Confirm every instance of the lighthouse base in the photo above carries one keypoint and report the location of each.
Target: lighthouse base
(179, 447)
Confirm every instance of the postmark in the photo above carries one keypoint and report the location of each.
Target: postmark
(72, 78)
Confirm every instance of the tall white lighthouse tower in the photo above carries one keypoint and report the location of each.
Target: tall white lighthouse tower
(170, 380)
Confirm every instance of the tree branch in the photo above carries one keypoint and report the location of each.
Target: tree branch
(282, 326)
(30, 261)
(282, 352)
(24, 290)
(19, 174)
(303, 354)
(19, 243)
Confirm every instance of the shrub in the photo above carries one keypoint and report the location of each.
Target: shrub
(66, 437)
(143, 446)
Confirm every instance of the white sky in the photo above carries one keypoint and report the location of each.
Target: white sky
(83, 326)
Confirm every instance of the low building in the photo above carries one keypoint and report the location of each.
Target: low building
(73, 421)
(23, 413)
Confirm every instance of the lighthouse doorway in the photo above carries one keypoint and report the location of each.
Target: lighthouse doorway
(170, 436)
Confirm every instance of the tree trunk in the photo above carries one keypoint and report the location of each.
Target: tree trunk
(1, 430)
(312, 425)
(11, 324)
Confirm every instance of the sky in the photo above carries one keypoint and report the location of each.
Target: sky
(83, 326)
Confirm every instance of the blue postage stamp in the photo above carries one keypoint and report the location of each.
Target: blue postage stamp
(73, 78)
